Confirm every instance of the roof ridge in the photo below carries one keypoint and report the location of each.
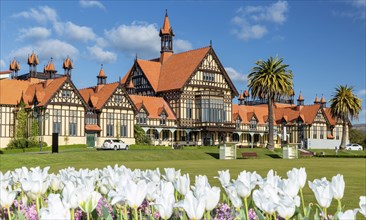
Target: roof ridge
(187, 51)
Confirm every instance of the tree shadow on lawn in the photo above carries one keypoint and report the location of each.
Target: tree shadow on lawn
(214, 155)
(274, 156)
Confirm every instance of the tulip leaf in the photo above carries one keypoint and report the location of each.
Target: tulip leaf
(19, 216)
(259, 214)
(242, 215)
(106, 214)
(316, 215)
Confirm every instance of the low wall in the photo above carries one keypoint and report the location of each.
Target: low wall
(323, 144)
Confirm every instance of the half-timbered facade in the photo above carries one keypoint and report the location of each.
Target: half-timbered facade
(193, 83)
(51, 100)
(110, 114)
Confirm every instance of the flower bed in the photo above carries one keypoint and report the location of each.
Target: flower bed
(121, 193)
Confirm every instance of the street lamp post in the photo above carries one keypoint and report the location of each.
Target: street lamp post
(38, 115)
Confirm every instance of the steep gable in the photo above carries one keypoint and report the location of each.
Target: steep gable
(66, 93)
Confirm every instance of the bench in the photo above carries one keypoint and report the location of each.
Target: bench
(249, 155)
(306, 154)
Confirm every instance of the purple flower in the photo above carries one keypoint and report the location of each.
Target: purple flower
(223, 212)
(104, 203)
(252, 214)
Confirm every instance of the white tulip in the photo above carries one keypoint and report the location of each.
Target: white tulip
(338, 186)
(194, 207)
(200, 185)
(69, 196)
(322, 191)
(87, 200)
(266, 199)
(299, 175)
(347, 215)
(233, 196)
(7, 197)
(289, 187)
(165, 202)
(135, 193)
(287, 206)
(224, 177)
(56, 183)
(182, 184)
(212, 197)
(363, 205)
(171, 174)
(55, 209)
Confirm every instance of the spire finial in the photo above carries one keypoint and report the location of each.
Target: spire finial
(101, 66)
(136, 56)
(166, 12)
(210, 43)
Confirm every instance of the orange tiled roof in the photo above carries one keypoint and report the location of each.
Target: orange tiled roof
(247, 112)
(322, 100)
(154, 105)
(101, 73)
(178, 68)
(151, 70)
(166, 29)
(246, 93)
(241, 97)
(33, 59)
(98, 95)
(92, 128)
(316, 99)
(14, 65)
(300, 97)
(331, 120)
(68, 64)
(131, 85)
(5, 72)
(50, 66)
(12, 90)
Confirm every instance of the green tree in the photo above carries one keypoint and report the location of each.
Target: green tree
(21, 128)
(358, 137)
(140, 136)
(270, 79)
(345, 105)
(34, 132)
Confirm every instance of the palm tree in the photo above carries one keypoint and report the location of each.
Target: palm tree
(270, 78)
(345, 105)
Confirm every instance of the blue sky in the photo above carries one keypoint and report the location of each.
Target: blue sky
(322, 41)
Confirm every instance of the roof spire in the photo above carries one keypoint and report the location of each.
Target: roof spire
(210, 43)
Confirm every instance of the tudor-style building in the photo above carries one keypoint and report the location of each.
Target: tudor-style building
(51, 99)
(110, 113)
(184, 98)
(193, 83)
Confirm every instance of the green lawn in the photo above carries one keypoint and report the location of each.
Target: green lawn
(199, 160)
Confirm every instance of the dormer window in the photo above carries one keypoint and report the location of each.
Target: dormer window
(253, 124)
(118, 98)
(163, 119)
(141, 117)
(66, 93)
(208, 77)
(237, 123)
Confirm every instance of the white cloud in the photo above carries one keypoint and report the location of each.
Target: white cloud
(2, 64)
(79, 33)
(42, 15)
(253, 21)
(362, 92)
(46, 49)
(182, 45)
(34, 33)
(357, 11)
(235, 75)
(101, 55)
(141, 38)
(90, 4)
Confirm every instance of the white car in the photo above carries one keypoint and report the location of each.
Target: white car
(114, 144)
(354, 147)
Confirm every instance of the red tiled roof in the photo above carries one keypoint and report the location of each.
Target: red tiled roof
(12, 90)
(179, 67)
(331, 120)
(166, 29)
(151, 70)
(98, 95)
(92, 128)
(154, 105)
(5, 72)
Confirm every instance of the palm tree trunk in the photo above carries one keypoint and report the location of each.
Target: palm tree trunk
(344, 135)
(270, 144)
